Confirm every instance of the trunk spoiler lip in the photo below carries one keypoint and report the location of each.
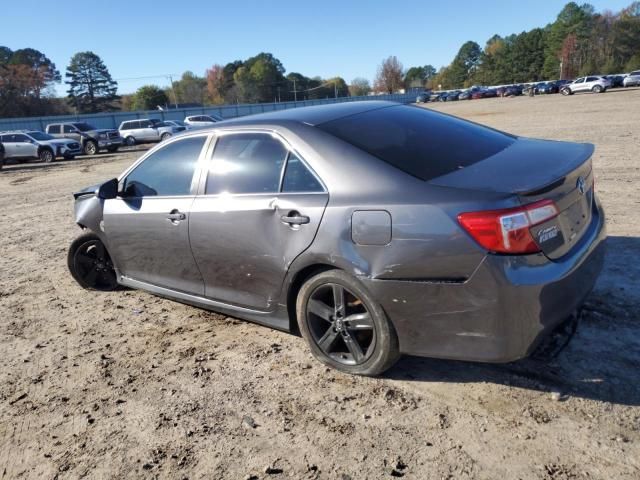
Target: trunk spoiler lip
(556, 159)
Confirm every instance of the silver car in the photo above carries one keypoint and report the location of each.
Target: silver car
(146, 130)
(591, 83)
(632, 80)
(28, 144)
(372, 228)
(202, 121)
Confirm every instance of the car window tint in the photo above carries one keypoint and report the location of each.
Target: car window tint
(246, 163)
(54, 129)
(145, 124)
(68, 129)
(167, 171)
(418, 141)
(298, 178)
(592, 79)
(21, 139)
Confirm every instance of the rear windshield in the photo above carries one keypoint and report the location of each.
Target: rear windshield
(418, 141)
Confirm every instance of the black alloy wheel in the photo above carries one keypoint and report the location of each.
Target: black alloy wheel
(90, 264)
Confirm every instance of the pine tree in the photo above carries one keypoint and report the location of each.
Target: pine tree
(91, 88)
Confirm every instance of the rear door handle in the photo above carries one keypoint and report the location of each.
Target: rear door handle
(175, 216)
(295, 218)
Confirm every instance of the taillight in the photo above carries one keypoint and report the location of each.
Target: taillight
(507, 231)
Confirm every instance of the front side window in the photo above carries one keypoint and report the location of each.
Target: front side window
(166, 172)
(579, 80)
(68, 129)
(21, 139)
(246, 163)
(145, 123)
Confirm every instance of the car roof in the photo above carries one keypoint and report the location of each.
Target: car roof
(314, 115)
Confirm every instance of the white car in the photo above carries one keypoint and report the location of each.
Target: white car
(201, 121)
(631, 80)
(27, 144)
(177, 123)
(592, 83)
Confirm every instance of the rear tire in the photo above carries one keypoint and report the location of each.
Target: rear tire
(90, 147)
(90, 264)
(46, 155)
(597, 89)
(344, 326)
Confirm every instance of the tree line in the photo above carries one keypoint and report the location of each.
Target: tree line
(579, 42)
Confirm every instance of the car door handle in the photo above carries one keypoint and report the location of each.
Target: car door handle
(294, 218)
(175, 216)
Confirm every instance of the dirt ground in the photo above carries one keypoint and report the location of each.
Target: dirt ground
(128, 385)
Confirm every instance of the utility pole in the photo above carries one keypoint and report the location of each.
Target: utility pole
(175, 97)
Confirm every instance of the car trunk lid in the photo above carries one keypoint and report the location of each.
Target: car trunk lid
(535, 170)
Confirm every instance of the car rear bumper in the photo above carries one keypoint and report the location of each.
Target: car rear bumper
(503, 311)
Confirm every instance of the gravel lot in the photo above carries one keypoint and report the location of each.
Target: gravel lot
(129, 385)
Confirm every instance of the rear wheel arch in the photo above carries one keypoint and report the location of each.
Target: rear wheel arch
(298, 280)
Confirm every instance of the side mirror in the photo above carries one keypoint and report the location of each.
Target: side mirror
(108, 189)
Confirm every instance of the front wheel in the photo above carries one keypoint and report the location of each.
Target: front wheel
(566, 91)
(130, 141)
(165, 136)
(90, 148)
(344, 326)
(46, 155)
(90, 264)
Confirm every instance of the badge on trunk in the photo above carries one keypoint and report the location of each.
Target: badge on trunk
(581, 185)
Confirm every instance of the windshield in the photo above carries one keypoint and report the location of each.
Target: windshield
(40, 136)
(84, 127)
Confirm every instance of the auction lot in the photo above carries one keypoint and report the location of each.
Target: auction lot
(128, 385)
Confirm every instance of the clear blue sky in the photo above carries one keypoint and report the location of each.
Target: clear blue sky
(140, 38)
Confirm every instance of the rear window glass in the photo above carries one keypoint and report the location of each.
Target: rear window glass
(418, 141)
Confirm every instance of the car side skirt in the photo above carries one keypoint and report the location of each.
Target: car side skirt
(277, 319)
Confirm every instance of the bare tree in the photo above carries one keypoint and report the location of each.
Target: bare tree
(389, 76)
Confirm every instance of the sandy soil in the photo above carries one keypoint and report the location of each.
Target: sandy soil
(129, 385)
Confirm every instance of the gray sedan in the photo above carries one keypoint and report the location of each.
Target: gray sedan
(371, 228)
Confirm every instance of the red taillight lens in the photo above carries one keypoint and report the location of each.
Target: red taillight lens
(507, 231)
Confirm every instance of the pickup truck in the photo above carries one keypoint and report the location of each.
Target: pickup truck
(92, 139)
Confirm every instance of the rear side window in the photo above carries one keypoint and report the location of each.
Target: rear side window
(53, 129)
(418, 141)
(167, 171)
(298, 178)
(592, 79)
(246, 163)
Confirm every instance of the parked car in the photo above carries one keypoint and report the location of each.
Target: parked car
(200, 121)
(466, 95)
(586, 84)
(548, 88)
(28, 144)
(177, 123)
(413, 246)
(1, 155)
(632, 80)
(452, 96)
(147, 130)
(616, 81)
(512, 91)
(490, 93)
(423, 97)
(91, 139)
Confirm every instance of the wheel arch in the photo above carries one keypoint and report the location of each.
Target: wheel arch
(297, 280)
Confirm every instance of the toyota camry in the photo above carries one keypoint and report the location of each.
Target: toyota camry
(371, 228)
